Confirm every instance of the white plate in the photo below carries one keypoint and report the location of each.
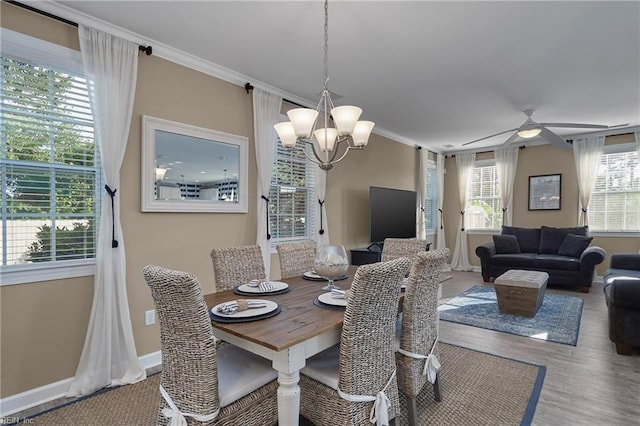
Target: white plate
(277, 286)
(327, 299)
(270, 307)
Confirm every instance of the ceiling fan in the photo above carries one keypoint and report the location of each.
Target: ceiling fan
(530, 129)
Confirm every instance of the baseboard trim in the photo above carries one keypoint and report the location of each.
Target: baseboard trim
(43, 394)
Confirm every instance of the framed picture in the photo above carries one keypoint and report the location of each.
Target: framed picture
(544, 192)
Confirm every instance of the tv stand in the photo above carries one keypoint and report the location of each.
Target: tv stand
(366, 255)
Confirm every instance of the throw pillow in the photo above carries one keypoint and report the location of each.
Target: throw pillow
(506, 244)
(528, 238)
(573, 245)
(551, 238)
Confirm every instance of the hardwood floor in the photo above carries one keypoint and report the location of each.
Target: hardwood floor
(588, 384)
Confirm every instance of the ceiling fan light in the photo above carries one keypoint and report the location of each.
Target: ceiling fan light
(529, 133)
(286, 133)
(160, 172)
(345, 118)
(303, 120)
(361, 132)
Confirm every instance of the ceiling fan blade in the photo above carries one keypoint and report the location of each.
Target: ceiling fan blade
(491, 136)
(512, 138)
(577, 125)
(555, 140)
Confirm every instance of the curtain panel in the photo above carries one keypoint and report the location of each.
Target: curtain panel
(266, 112)
(587, 152)
(109, 356)
(460, 258)
(506, 165)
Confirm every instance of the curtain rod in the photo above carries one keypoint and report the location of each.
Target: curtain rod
(146, 49)
(249, 87)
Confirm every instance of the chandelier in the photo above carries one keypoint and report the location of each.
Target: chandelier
(323, 138)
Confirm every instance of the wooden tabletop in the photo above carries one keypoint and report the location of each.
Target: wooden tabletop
(299, 320)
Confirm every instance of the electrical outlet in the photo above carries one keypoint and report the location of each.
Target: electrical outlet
(150, 317)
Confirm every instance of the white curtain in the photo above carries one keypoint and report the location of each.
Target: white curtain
(506, 164)
(441, 242)
(460, 258)
(266, 112)
(637, 133)
(421, 184)
(109, 355)
(322, 224)
(587, 152)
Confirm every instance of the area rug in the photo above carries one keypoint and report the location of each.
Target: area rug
(557, 320)
(477, 388)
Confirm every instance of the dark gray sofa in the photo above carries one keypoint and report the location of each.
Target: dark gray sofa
(564, 253)
(622, 294)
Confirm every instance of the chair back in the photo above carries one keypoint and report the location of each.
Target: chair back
(419, 318)
(296, 258)
(367, 358)
(233, 266)
(394, 248)
(189, 369)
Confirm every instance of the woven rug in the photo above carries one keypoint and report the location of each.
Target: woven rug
(477, 388)
(557, 320)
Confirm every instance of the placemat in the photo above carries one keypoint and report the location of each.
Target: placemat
(326, 306)
(228, 320)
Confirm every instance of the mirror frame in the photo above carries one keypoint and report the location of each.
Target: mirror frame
(149, 204)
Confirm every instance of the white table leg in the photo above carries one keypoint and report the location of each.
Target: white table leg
(288, 398)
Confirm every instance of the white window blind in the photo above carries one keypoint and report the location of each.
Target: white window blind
(48, 165)
(615, 202)
(431, 198)
(484, 206)
(292, 197)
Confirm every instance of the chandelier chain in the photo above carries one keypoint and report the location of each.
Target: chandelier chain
(326, 44)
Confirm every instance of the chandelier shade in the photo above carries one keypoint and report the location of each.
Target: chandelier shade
(327, 127)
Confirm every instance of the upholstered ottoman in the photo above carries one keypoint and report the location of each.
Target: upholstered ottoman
(521, 292)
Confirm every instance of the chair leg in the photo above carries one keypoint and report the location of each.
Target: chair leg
(436, 388)
(412, 411)
(396, 421)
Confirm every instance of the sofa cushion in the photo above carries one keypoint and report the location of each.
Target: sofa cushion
(514, 261)
(551, 238)
(528, 238)
(556, 262)
(573, 245)
(506, 244)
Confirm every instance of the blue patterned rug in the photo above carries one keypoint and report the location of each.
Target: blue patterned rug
(557, 320)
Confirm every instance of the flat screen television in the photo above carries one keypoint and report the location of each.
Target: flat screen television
(392, 213)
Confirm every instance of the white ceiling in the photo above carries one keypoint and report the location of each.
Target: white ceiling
(433, 73)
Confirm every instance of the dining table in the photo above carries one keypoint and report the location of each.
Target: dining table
(301, 330)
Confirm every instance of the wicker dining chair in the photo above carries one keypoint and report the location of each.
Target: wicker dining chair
(208, 386)
(363, 363)
(416, 359)
(296, 258)
(233, 266)
(394, 248)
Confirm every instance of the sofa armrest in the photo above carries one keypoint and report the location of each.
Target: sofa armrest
(591, 257)
(486, 251)
(624, 293)
(626, 261)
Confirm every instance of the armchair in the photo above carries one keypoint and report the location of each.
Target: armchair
(622, 294)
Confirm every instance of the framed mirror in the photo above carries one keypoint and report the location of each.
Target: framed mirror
(192, 169)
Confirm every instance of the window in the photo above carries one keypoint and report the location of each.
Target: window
(292, 197)
(615, 201)
(431, 197)
(484, 206)
(48, 165)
